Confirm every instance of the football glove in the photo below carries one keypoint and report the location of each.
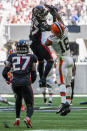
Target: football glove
(8, 81)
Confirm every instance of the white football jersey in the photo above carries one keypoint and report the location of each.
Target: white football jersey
(60, 45)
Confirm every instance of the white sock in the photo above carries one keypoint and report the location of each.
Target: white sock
(68, 94)
(62, 90)
(50, 97)
(18, 119)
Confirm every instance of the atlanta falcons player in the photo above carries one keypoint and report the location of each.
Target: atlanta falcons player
(22, 66)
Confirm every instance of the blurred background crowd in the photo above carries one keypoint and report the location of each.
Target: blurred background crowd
(20, 11)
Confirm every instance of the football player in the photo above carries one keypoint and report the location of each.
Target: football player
(22, 65)
(73, 76)
(4, 100)
(51, 80)
(39, 25)
(10, 75)
(59, 42)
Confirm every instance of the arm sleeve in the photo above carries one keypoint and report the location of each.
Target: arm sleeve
(7, 68)
(5, 73)
(33, 76)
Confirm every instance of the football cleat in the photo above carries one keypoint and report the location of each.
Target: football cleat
(17, 123)
(63, 107)
(65, 111)
(42, 82)
(50, 103)
(27, 122)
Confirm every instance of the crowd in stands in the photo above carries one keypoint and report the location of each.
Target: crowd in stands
(20, 11)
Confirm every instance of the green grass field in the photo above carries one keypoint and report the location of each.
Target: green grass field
(48, 120)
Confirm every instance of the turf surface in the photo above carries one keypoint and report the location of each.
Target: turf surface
(48, 120)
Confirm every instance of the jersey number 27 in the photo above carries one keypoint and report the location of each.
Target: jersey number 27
(17, 62)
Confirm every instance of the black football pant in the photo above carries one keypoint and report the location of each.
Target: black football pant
(25, 92)
(43, 53)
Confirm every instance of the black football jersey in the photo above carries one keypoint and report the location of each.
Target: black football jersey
(21, 64)
(36, 30)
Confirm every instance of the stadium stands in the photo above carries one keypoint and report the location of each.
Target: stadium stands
(19, 11)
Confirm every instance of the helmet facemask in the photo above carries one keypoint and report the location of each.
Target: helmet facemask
(22, 47)
(40, 13)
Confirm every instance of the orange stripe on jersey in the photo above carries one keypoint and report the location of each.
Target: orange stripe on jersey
(60, 70)
(63, 93)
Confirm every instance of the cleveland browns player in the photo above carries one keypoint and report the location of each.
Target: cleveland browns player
(60, 43)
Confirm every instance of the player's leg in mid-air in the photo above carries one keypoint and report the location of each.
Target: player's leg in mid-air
(51, 81)
(64, 107)
(46, 54)
(68, 85)
(36, 51)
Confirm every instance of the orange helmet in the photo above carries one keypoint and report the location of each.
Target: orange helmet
(57, 29)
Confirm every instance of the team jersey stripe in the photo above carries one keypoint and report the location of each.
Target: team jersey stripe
(60, 70)
(59, 27)
(48, 50)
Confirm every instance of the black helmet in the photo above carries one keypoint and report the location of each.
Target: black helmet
(22, 47)
(39, 12)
